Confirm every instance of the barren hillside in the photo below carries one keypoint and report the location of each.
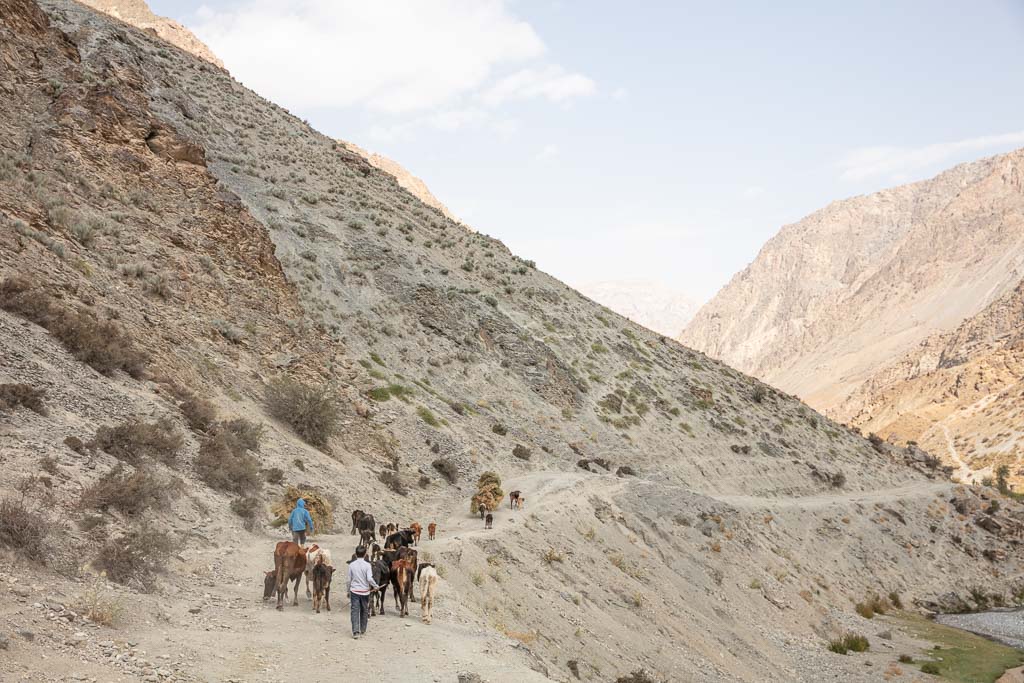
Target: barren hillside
(182, 262)
(958, 394)
(831, 298)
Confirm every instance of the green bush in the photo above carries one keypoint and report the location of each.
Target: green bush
(930, 668)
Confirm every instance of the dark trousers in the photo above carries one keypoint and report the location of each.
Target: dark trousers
(360, 612)
(299, 537)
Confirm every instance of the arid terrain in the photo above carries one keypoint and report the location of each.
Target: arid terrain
(203, 302)
(898, 312)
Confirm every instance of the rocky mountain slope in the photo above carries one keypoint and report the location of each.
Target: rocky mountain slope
(839, 305)
(958, 394)
(138, 14)
(182, 262)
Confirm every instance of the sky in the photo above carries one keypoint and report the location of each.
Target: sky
(658, 141)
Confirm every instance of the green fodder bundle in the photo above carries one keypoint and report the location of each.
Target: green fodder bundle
(320, 509)
(488, 493)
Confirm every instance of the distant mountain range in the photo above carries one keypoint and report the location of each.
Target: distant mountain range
(649, 303)
(899, 311)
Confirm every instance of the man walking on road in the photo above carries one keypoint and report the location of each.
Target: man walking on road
(360, 585)
(299, 522)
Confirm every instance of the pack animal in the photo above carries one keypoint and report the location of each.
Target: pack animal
(431, 530)
(482, 509)
(417, 531)
(402, 572)
(488, 521)
(289, 565)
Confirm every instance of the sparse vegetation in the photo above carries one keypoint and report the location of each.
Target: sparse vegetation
(522, 452)
(427, 416)
(224, 461)
(248, 508)
(25, 528)
(311, 411)
(130, 493)
(98, 343)
(199, 413)
(13, 396)
(849, 642)
(393, 482)
(499, 429)
(136, 557)
(552, 556)
(134, 439)
(448, 469)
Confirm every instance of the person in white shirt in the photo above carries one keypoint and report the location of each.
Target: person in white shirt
(360, 585)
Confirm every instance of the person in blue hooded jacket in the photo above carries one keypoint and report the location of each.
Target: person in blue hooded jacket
(299, 522)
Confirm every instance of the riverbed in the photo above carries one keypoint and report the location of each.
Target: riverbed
(1006, 626)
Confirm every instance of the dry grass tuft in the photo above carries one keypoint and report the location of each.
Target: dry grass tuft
(136, 557)
(131, 494)
(22, 395)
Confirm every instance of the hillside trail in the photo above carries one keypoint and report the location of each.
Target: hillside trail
(253, 641)
(245, 639)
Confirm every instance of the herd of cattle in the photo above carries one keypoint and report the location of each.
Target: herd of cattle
(396, 564)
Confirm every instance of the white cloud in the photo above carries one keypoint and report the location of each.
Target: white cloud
(551, 82)
(899, 163)
(547, 153)
(401, 57)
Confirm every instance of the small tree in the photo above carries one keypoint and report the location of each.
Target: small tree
(1002, 479)
(488, 493)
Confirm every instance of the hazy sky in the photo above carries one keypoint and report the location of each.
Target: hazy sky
(611, 140)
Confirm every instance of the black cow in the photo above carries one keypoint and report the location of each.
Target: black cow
(400, 539)
(362, 521)
(382, 577)
(488, 521)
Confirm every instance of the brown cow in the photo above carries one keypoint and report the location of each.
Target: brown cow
(402, 572)
(417, 531)
(513, 499)
(431, 530)
(289, 565)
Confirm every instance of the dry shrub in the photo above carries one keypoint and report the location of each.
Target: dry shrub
(224, 462)
(132, 440)
(393, 482)
(199, 413)
(137, 556)
(15, 395)
(274, 475)
(522, 452)
(488, 493)
(320, 509)
(99, 606)
(638, 676)
(248, 508)
(448, 469)
(311, 411)
(24, 528)
(131, 494)
(98, 343)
